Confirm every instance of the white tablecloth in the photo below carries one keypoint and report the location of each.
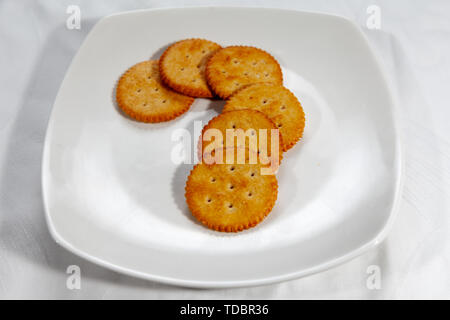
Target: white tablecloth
(414, 43)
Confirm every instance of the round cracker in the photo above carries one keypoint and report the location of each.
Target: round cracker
(182, 66)
(278, 103)
(252, 123)
(230, 197)
(141, 95)
(232, 68)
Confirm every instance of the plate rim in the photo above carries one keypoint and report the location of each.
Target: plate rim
(333, 262)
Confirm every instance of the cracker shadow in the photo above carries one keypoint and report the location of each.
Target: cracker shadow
(216, 105)
(157, 54)
(178, 191)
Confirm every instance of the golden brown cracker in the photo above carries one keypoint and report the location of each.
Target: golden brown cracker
(253, 127)
(182, 66)
(232, 68)
(141, 95)
(278, 103)
(230, 197)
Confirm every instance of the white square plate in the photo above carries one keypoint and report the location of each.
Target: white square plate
(113, 195)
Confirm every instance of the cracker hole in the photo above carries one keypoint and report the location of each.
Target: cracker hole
(230, 206)
(232, 169)
(254, 63)
(209, 200)
(213, 179)
(249, 194)
(203, 51)
(236, 84)
(164, 101)
(252, 174)
(231, 187)
(156, 89)
(138, 90)
(279, 125)
(266, 75)
(250, 97)
(264, 101)
(283, 107)
(194, 80)
(182, 69)
(236, 62)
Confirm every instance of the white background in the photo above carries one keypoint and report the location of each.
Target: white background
(414, 44)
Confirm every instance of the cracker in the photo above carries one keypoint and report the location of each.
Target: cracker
(278, 103)
(255, 129)
(230, 197)
(182, 66)
(141, 95)
(231, 68)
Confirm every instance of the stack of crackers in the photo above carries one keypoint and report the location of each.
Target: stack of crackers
(224, 195)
